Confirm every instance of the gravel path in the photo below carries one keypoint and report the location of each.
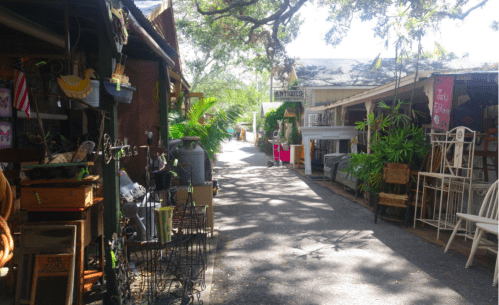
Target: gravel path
(287, 240)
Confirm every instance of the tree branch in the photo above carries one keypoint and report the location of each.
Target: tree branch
(465, 14)
(225, 10)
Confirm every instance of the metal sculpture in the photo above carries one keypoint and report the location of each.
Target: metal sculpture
(118, 150)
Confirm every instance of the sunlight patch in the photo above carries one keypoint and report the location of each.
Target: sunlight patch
(276, 202)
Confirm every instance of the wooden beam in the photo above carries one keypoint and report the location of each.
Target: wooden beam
(178, 77)
(196, 94)
(174, 74)
(110, 171)
(43, 116)
(164, 89)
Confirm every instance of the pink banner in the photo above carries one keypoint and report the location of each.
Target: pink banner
(442, 102)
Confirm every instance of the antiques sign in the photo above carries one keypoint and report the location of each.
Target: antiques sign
(442, 101)
(289, 95)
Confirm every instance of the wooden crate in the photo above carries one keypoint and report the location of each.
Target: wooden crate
(47, 198)
(202, 195)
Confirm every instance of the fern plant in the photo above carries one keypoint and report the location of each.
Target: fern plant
(213, 132)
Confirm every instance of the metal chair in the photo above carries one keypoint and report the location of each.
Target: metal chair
(488, 214)
(398, 175)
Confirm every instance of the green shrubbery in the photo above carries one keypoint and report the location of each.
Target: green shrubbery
(394, 140)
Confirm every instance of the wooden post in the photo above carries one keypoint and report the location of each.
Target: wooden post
(110, 171)
(164, 93)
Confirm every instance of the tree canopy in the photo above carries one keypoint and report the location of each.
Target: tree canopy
(255, 32)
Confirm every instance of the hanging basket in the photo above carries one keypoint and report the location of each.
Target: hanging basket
(122, 95)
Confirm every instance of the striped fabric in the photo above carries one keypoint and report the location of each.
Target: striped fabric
(21, 100)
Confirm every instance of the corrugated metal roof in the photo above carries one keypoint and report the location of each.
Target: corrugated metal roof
(359, 72)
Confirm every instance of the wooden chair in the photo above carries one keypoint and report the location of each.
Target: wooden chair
(485, 153)
(428, 165)
(398, 175)
(480, 229)
(488, 214)
(18, 156)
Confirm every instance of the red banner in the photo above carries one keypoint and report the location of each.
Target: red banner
(442, 102)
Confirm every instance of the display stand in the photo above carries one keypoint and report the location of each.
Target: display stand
(455, 176)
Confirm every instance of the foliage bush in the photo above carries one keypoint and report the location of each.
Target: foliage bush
(295, 135)
(394, 140)
(211, 134)
(273, 116)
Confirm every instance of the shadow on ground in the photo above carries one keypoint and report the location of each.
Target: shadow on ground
(287, 240)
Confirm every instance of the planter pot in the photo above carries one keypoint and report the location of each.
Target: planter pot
(123, 95)
(163, 180)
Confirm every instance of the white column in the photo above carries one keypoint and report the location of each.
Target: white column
(343, 115)
(306, 153)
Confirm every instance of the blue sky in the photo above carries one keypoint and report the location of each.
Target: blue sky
(473, 36)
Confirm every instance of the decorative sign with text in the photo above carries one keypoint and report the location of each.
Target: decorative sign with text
(53, 279)
(289, 95)
(442, 102)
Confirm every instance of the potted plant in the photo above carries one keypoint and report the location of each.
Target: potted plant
(394, 140)
(211, 133)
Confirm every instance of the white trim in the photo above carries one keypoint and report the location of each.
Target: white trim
(406, 80)
(323, 133)
(339, 87)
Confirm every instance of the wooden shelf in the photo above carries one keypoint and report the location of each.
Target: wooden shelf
(44, 116)
(88, 179)
(50, 165)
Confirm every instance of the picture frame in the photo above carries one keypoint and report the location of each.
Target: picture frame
(6, 134)
(5, 103)
(53, 270)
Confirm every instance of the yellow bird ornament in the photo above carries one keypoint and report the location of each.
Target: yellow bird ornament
(75, 87)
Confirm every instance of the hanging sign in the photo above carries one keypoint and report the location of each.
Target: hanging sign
(289, 95)
(442, 101)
